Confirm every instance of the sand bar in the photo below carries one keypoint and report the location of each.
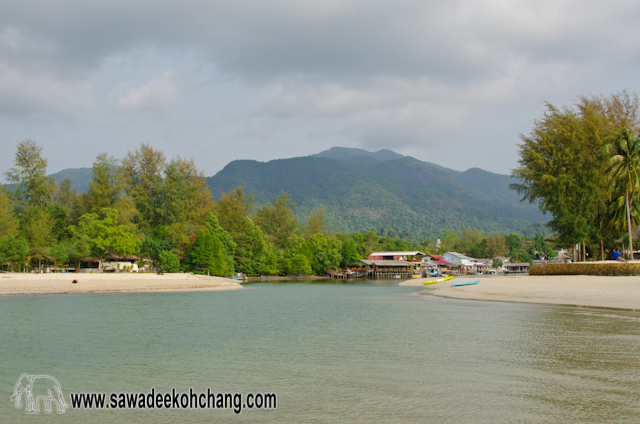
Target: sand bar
(575, 290)
(16, 284)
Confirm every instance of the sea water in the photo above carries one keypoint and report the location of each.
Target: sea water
(332, 353)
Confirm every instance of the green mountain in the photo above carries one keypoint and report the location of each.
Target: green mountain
(79, 177)
(393, 194)
(384, 191)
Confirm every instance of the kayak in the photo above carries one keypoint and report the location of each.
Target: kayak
(465, 283)
(439, 280)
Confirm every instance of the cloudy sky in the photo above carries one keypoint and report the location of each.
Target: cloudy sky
(452, 82)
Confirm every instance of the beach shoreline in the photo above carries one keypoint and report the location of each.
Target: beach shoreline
(33, 284)
(570, 290)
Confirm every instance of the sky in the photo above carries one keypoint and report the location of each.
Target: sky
(452, 82)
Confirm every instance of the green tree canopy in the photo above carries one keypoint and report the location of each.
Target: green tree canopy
(8, 223)
(277, 219)
(562, 166)
(104, 236)
(13, 250)
(32, 186)
(624, 177)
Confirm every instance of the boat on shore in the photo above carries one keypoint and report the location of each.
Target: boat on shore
(465, 283)
(439, 280)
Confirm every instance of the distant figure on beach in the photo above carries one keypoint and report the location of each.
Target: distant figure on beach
(74, 282)
(615, 255)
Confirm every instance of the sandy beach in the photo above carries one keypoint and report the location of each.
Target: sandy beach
(574, 290)
(17, 284)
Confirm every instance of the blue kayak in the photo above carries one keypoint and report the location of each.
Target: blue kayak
(465, 283)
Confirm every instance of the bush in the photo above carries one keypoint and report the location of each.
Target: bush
(168, 261)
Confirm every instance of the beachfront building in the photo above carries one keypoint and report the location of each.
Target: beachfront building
(484, 265)
(466, 264)
(516, 268)
(436, 264)
(385, 268)
(394, 256)
(112, 264)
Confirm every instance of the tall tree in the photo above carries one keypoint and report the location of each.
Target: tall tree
(65, 195)
(142, 172)
(13, 250)
(8, 223)
(104, 236)
(318, 223)
(277, 219)
(228, 245)
(561, 170)
(205, 255)
(32, 186)
(232, 208)
(624, 171)
(105, 187)
(38, 229)
(561, 166)
(185, 195)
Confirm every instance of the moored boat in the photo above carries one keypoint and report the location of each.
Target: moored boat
(465, 283)
(439, 280)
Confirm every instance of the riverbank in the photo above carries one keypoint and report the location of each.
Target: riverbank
(20, 284)
(575, 290)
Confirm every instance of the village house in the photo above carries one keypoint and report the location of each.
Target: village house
(467, 264)
(394, 256)
(435, 264)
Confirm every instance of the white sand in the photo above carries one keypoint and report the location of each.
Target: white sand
(576, 290)
(15, 283)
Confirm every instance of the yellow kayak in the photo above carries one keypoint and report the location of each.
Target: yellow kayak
(439, 280)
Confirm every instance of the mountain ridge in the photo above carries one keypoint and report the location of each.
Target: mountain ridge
(384, 191)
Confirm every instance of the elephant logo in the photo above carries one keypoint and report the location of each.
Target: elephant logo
(35, 388)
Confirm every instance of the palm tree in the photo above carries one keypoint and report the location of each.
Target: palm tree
(624, 169)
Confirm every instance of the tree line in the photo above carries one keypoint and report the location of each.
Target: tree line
(162, 210)
(580, 163)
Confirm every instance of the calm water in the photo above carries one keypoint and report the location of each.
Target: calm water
(335, 353)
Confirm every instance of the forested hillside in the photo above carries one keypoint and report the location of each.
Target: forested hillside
(392, 194)
(384, 191)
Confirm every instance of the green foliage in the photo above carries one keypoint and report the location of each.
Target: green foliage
(298, 264)
(32, 186)
(252, 249)
(185, 195)
(79, 250)
(277, 219)
(413, 199)
(205, 255)
(155, 244)
(104, 236)
(228, 245)
(318, 223)
(59, 253)
(168, 261)
(37, 227)
(323, 253)
(142, 174)
(624, 180)
(232, 209)
(449, 243)
(64, 195)
(8, 223)
(563, 164)
(350, 256)
(13, 250)
(105, 187)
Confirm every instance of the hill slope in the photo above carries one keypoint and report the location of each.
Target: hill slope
(393, 194)
(401, 196)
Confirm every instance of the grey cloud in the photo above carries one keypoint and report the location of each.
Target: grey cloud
(273, 74)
